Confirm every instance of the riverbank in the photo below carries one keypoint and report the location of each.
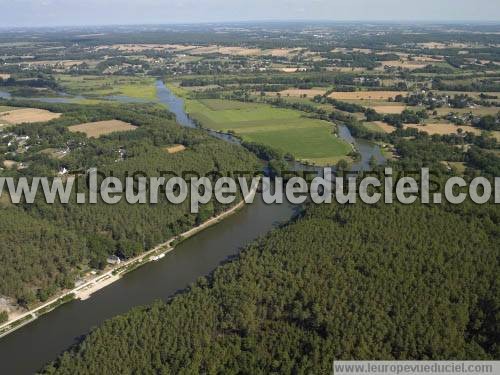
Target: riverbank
(114, 274)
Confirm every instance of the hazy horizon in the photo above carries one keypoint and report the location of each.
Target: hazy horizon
(50, 13)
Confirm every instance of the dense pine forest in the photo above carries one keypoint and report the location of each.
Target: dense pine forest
(378, 282)
(355, 281)
(46, 247)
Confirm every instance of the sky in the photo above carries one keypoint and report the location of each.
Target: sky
(36, 13)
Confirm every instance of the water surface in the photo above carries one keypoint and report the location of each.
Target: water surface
(32, 346)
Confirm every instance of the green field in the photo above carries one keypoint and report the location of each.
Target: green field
(98, 86)
(4, 108)
(308, 139)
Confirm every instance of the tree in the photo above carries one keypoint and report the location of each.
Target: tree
(4, 316)
(342, 165)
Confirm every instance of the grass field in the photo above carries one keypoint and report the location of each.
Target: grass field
(19, 116)
(92, 86)
(288, 130)
(99, 128)
(379, 127)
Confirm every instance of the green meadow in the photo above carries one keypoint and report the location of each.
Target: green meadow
(290, 131)
(98, 86)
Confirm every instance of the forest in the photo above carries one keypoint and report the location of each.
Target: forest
(46, 247)
(341, 282)
(337, 281)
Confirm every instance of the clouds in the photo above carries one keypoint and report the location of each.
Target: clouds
(95, 12)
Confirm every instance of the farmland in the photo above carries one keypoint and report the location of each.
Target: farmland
(365, 95)
(379, 127)
(19, 116)
(98, 86)
(404, 96)
(100, 128)
(443, 128)
(289, 131)
(391, 109)
(310, 93)
(429, 128)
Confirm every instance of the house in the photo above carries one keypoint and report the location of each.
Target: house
(113, 259)
(63, 171)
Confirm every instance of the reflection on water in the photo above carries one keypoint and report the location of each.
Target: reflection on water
(367, 149)
(174, 104)
(177, 107)
(29, 348)
(41, 341)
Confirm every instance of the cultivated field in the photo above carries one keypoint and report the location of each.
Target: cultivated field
(19, 116)
(99, 128)
(443, 128)
(243, 51)
(236, 51)
(411, 65)
(284, 129)
(438, 128)
(146, 47)
(365, 95)
(346, 69)
(479, 111)
(389, 109)
(175, 149)
(281, 52)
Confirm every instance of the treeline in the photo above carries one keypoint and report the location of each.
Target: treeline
(407, 116)
(300, 80)
(40, 81)
(479, 85)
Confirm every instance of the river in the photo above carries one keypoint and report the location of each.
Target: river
(366, 149)
(31, 347)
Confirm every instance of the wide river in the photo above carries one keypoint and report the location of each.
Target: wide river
(31, 347)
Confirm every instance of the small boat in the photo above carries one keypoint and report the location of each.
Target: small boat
(156, 258)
